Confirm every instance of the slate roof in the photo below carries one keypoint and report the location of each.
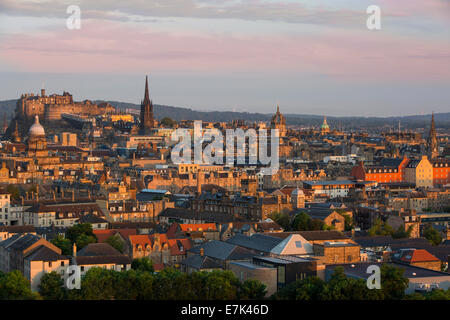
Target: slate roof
(193, 215)
(100, 253)
(98, 249)
(43, 253)
(319, 235)
(377, 241)
(18, 229)
(223, 251)
(24, 242)
(198, 262)
(359, 270)
(259, 242)
(92, 218)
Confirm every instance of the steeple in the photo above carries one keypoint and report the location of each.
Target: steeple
(146, 95)
(146, 111)
(16, 133)
(432, 140)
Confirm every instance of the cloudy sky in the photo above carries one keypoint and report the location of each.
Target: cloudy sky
(310, 56)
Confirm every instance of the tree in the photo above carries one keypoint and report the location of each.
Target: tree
(83, 240)
(142, 264)
(402, 233)
(282, 218)
(80, 229)
(341, 287)
(393, 282)
(380, 228)
(167, 122)
(98, 284)
(52, 287)
(349, 224)
(115, 242)
(14, 286)
(252, 290)
(221, 285)
(432, 235)
(301, 222)
(309, 288)
(64, 244)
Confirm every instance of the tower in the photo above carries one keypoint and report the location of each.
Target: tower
(16, 134)
(278, 122)
(325, 128)
(146, 112)
(432, 140)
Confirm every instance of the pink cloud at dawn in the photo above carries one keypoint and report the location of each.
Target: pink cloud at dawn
(116, 47)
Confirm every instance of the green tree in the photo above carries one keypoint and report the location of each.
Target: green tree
(282, 218)
(83, 240)
(221, 285)
(380, 228)
(142, 264)
(115, 242)
(347, 219)
(432, 235)
(252, 290)
(341, 287)
(98, 284)
(310, 288)
(166, 284)
(64, 244)
(393, 282)
(52, 287)
(14, 286)
(301, 222)
(401, 233)
(78, 230)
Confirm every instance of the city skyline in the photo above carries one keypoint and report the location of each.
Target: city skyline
(311, 58)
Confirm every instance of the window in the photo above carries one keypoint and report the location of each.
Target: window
(298, 244)
(62, 263)
(50, 264)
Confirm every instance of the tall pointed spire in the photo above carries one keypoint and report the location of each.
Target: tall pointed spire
(146, 111)
(147, 95)
(432, 140)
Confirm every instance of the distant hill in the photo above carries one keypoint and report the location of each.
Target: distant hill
(179, 113)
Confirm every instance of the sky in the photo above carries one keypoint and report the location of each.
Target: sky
(308, 56)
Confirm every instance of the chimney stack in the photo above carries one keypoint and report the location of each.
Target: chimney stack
(74, 249)
(202, 252)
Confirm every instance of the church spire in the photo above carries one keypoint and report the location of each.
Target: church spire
(147, 95)
(432, 140)
(146, 111)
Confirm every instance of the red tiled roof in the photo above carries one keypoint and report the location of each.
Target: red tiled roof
(418, 255)
(175, 245)
(103, 235)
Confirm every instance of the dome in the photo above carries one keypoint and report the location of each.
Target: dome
(325, 124)
(36, 129)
